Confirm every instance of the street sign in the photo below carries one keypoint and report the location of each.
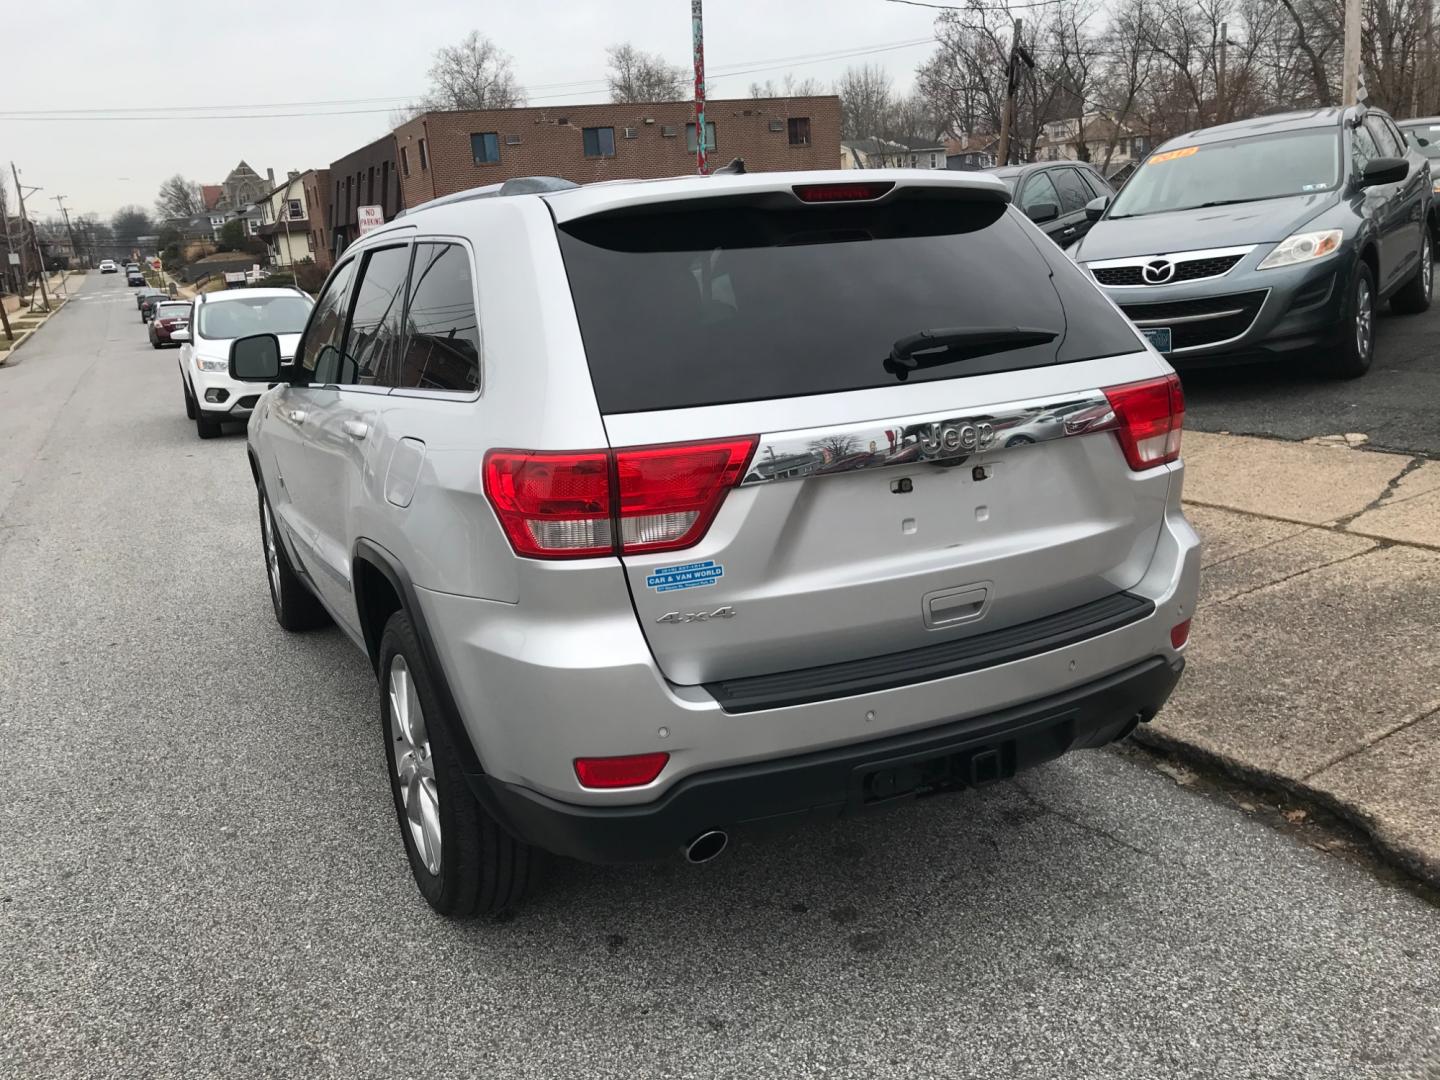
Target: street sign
(14, 258)
(371, 217)
(155, 264)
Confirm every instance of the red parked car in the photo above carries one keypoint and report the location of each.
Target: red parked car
(169, 316)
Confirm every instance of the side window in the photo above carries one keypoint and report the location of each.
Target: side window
(1384, 141)
(442, 333)
(372, 344)
(320, 351)
(1362, 149)
(1097, 182)
(1038, 189)
(1073, 192)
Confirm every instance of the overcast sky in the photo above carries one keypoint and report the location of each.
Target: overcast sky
(117, 59)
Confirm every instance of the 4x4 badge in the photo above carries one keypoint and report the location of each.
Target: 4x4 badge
(726, 612)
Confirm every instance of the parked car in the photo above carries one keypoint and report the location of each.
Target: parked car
(1277, 237)
(1054, 194)
(107, 266)
(146, 299)
(218, 318)
(1423, 136)
(134, 278)
(564, 463)
(170, 316)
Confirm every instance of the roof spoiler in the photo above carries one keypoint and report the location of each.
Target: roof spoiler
(521, 185)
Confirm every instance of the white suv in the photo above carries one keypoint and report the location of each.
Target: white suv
(218, 318)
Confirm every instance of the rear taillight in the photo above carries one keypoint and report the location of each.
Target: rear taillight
(1179, 634)
(1149, 416)
(618, 502)
(633, 770)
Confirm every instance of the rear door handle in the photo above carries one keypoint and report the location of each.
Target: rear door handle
(1068, 231)
(297, 415)
(356, 429)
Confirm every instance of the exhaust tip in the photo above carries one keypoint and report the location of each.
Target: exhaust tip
(706, 846)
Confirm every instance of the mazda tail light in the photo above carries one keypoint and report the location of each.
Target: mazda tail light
(1149, 416)
(612, 502)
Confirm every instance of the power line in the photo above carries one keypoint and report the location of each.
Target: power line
(172, 112)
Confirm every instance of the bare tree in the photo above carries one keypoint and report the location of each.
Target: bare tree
(790, 87)
(179, 197)
(636, 75)
(865, 101)
(476, 74)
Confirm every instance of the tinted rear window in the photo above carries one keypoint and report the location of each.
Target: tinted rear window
(706, 305)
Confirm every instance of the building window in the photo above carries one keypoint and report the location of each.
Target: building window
(599, 142)
(296, 209)
(631, 133)
(253, 225)
(485, 147)
(424, 157)
(709, 136)
(934, 161)
(405, 160)
(668, 131)
(799, 131)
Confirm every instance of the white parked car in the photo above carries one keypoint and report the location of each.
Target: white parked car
(211, 396)
(107, 266)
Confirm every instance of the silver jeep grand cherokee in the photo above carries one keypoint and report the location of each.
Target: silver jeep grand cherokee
(667, 510)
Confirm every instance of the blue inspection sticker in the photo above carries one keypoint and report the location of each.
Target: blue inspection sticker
(695, 575)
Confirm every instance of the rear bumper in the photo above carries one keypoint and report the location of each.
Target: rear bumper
(844, 780)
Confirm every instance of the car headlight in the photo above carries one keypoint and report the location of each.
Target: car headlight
(1303, 247)
(206, 364)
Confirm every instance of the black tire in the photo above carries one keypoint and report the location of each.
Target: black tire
(482, 869)
(1414, 295)
(189, 401)
(205, 427)
(296, 607)
(153, 343)
(1350, 354)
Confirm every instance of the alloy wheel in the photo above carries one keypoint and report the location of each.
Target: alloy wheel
(414, 765)
(272, 552)
(1364, 318)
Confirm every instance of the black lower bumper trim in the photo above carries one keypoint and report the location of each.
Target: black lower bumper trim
(845, 779)
(929, 662)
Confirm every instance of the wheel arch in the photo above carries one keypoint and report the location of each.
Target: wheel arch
(382, 587)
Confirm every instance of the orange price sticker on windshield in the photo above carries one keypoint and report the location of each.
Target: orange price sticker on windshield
(1171, 155)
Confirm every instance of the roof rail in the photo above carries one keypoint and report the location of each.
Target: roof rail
(520, 185)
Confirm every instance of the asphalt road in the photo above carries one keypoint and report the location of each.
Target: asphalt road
(200, 874)
(1397, 404)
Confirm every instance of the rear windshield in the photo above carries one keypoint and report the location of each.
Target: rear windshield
(173, 311)
(704, 305)
(1424, 138)
(254, 315)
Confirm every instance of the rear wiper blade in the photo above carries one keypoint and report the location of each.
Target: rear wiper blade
(930, 348)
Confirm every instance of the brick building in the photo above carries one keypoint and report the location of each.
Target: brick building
(439, 153)
(316, 185)
(366, 177)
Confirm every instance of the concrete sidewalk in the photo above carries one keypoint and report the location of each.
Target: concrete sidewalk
(24, 322)
(1314, 665)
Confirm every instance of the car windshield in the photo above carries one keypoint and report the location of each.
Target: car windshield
(1239, 170)
(224, 319)
(1424, 138)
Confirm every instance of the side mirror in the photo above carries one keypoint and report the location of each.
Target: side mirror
(1095, 208)
(179, 335)
(255, 358)
(1384, 170)
(1040, 213)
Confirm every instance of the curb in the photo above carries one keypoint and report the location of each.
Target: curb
(26, 335)
(1423, 867)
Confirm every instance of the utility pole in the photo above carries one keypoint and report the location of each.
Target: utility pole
(1350, 83)
(1018, 55)
(25, 224)
(60, 202)
(697, 34)
(5, 270)
(1220, 112)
